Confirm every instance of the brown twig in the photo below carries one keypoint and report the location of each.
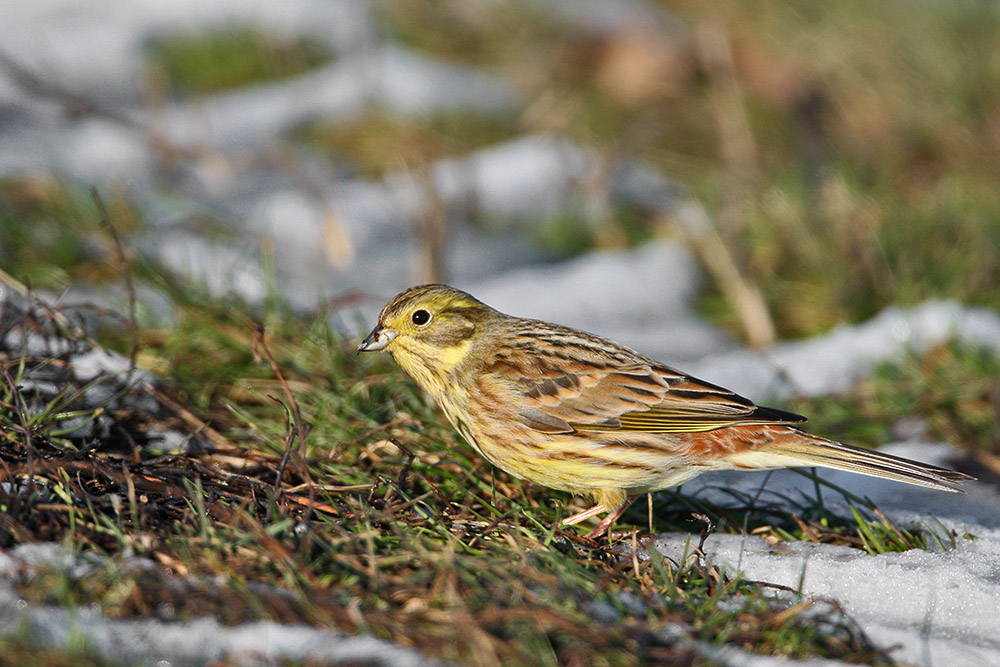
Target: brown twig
(66, 328)
(739, 150)
(286, 450)
(21, 410)
(198, 425)
(127, 275)
(300, 430)
(700, 549)
(369, 433)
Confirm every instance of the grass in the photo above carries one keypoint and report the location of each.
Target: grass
(348, 504)
(380, 141)
(869, 185)
(491, 35)
(22, 649)
(215, 60)
(333, 495)
(52, 235)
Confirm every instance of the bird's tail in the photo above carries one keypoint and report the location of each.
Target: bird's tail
(794, 448)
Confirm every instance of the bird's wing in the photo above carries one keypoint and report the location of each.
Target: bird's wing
(564, 393)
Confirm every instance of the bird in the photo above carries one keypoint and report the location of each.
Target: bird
(576, 412)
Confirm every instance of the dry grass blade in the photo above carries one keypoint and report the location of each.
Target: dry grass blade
(746, 297)
(126, 266)
(296, 438)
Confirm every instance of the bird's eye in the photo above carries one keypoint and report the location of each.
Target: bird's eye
(420, 317)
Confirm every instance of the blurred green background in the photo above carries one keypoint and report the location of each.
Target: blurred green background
(849, 152)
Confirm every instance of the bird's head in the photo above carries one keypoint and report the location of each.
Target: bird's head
(429, 330)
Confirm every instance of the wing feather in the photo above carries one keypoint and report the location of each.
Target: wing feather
(578, 382)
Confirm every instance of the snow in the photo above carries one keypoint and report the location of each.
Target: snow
(938, 608)
(836, 361)
(934, 607)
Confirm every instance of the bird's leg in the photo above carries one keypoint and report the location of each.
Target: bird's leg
(605, 523)
(584, 515)
(609, 520)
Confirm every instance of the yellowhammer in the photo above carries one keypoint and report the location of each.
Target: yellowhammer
(572, 411)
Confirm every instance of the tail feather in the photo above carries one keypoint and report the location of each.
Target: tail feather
(808, 450)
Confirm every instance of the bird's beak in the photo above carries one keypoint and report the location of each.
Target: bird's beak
(377, 339)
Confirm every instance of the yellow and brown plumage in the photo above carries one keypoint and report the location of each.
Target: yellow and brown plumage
(576, 412)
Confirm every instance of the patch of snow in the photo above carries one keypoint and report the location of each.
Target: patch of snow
(98, 361)
(836, 361)
(935, 606)
(387, 77)
(222, 268)
(532, 176)
(34, 344)
(97, 45)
